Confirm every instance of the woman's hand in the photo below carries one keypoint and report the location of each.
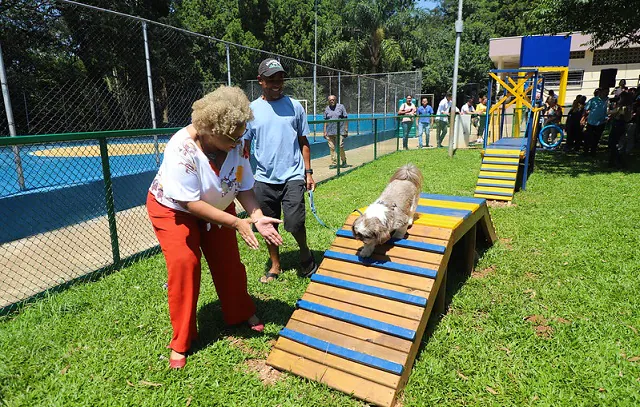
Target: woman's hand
(243, 226)
(265, 226)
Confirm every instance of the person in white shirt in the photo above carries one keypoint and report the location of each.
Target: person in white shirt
(408, 111)
(190, 204)
(442, 118)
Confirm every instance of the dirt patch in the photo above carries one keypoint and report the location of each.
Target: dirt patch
(484, 272)
(540, 326)
(530, 275)
(506, 242)
(239, 343)
(266, 373)
(499, 204)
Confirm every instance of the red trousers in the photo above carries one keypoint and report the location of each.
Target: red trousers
(182, 236)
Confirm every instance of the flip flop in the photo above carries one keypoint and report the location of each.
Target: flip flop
(268, 275)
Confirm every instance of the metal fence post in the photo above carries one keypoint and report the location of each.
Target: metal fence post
(338, 148)
(108, 197)
(339, 87)
(228, 65)
(358, 126)
(150, 86)
(375, 139)
(12, 124)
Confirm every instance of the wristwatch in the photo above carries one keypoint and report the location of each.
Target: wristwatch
(309, 171)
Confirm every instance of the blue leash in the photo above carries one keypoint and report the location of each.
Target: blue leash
(315, 212)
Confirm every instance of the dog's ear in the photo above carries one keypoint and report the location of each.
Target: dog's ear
(383, 236)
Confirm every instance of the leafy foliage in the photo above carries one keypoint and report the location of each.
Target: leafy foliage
(614, 21)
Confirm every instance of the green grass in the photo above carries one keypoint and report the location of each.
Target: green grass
(569, 255)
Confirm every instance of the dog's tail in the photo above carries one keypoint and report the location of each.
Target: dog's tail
(409, 172)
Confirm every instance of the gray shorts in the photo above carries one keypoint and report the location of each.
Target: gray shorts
(287, 199)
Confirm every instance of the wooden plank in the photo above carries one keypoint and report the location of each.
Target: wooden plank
(345, 340)
(418, 233)
(347, 379)
(401, 266)
(434, 210)
(437, 221)
(367, 301)
(500, 190)
(389, 252)
(487, 228)
(355, 331)
(506, 160)
(452, 198)
(370, 290)
(396, 242)
(375, 274)
(501, 151)
(425, 231)
(499, 168)
(494, 197)
(476, 217)
(448, 204)
(380, 316)
(375, 283)
(497, 175)
(341, 351)
(496, 182)
(439, 306)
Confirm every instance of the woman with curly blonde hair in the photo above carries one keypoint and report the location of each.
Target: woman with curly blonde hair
(190, 203)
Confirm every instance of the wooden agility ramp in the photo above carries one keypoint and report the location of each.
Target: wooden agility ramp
(498, 174)
(359, 325)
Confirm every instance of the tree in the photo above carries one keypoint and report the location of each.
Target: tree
(614, 21)
(374, 37)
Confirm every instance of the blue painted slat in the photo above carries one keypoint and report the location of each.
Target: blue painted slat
(324, 346)
(369, 289)
(479, 191)
(487, 184)
(496, 177)
(409, 244)
(466, 199)
(388, 265)
(499, 170)
(434, 210)
(365, 322)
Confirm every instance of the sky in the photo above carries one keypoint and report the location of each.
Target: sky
(427, 4)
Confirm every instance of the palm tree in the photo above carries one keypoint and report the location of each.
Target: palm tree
(374, 37)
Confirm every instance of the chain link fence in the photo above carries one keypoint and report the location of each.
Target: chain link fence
(96, 95)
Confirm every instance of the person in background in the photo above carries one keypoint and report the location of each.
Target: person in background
(573, 127)
(443, 118)
(408, 110)
(553, 115)
(595, 116)
(620, 116)
(283, 156)
(190, 204)
(481, 110)
(334, 111)
(425, 113)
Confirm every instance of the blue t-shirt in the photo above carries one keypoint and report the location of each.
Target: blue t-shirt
(424, 112)
(275, 128)
(597, 108)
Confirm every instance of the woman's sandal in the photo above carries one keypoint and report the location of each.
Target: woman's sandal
(269, 275)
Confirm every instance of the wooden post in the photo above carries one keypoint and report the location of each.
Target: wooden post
(439, 305)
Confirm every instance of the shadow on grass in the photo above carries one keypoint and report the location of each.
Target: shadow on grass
(291, 260)
(558, 162)
(212, 328)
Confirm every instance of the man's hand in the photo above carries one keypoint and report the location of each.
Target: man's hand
(311, 184)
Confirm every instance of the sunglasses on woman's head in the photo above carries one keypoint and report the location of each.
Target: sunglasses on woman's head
(236, 140)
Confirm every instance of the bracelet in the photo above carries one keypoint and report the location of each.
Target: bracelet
(309, 171)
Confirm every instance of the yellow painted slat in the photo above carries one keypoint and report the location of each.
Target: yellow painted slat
(511, 175)
(506, 190)
(438, 221)
(493, 151)
(448, 204)
(493, 197)
(489, 167)
(489, 159)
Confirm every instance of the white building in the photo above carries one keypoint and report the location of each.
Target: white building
(584, 64)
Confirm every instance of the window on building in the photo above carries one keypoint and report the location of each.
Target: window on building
(577, 54)
(552, 79)
(616, 56)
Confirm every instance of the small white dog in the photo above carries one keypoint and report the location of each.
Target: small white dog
(392, 212)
